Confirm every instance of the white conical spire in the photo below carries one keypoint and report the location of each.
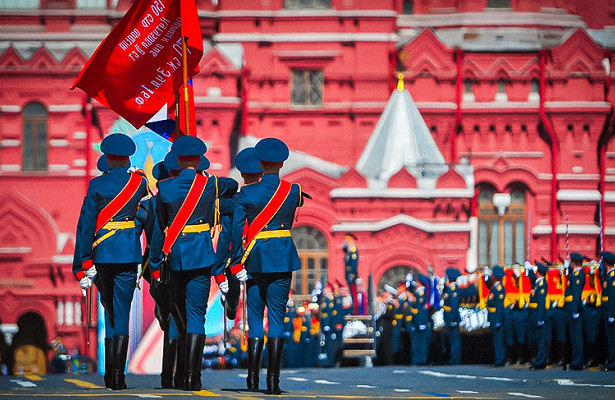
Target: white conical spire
(401, 139)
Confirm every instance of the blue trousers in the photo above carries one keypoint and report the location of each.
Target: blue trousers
(519, 325)
(191, 292)
(544, 345)
(117, 286)
(591, 321)
(455, 339)
(610, 337)
(556, 320)
(575, 328)
(420, 345)
(269, 290)
(499, 348)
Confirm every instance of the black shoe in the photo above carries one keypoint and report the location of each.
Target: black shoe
(575, 367)
(120, 350)
(275, 347)
(536, 367)
(108, 362)
(194, 360)
(169, 352)
(255, 351)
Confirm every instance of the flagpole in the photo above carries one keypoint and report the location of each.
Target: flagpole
(185, 78)
(88, 141)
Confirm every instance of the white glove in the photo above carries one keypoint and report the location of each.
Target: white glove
(487, 272)
(91, 272)
(611, 320)
(85, 282)
(242, 275)
(224, 286)
(528, 265)
(540, 323)
(575, 316)
(566, 263)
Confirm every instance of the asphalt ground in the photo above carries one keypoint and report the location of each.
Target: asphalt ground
(393, 382)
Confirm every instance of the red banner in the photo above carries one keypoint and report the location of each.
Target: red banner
(138, 67)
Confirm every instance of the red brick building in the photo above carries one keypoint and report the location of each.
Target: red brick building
(508, 158)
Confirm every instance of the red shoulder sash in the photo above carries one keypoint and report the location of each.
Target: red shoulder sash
(119, 201)
(267, 213)
(185, 211)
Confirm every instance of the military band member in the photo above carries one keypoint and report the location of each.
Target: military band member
(185, 212)
(351, 263)
(270, 254)
(574, 289)
(538, 317)
(608, 305)
(451, 314)
(495, 307)
(109, 245)
(591, 300)
(421, 323)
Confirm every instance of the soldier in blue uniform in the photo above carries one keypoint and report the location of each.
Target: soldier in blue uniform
(421, 323)
(608, 307)
(538, 317)
(109, 247)
(574, 290)
(351, 263)
(495, 307)
(590, 306)
(451, 314)
(327, 307)
(190, 254)
(270, 256)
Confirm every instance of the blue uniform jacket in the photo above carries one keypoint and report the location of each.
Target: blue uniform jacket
(351, 261)
(451, 305)
(191, 250)
(268, 255)
(574, 291)
(495, 304)
(420, 315)
(538, 301)
(122, 247)
(609, 292)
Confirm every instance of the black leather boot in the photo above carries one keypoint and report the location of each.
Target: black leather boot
(562, 351)
(108, 362)
(255, 351)
(120, 350)
(275, 347)
(194, 358)
(169, 351)
(180, 370)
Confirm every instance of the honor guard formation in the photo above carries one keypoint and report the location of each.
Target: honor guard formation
(198, 226)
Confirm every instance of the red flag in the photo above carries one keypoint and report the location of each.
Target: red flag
(138, 67)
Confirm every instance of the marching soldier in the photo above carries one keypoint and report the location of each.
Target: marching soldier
(495, 307)
(538, 317)
(555, 314)
(109, 248)
(608, 307)
(421, 325)
(451, 314)
(518, 299)
(574, 290)
(351, 261)
(591, 300)
(182, 246)
(270, 254)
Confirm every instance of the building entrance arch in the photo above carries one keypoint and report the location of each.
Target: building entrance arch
(396, 274)
(30, 345)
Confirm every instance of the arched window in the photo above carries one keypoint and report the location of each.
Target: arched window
(501, 227)
(501, 93)
(408, 7)
(534, 90)
(34, 144)
(314, 254)
(393, 276)
(468, 90)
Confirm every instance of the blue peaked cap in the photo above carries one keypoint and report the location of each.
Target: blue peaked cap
(452, 273)
(204, 164)
(271, 150)
(170, 162)
(160, 172)
(498, 272)
(542, 267)
(246, 162)
(608, 256)
(186, 146)
(118, 144)
(576, 257)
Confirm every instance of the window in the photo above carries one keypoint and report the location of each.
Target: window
(34, 137)
(501, 232)
(501, 93)
(314, 255)
(534, 90)
(408, 7)
(307, 86)
(20, 3)
(393, 276)
(498, 3)
(307, 3)
(468, 90)
(91, 3)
